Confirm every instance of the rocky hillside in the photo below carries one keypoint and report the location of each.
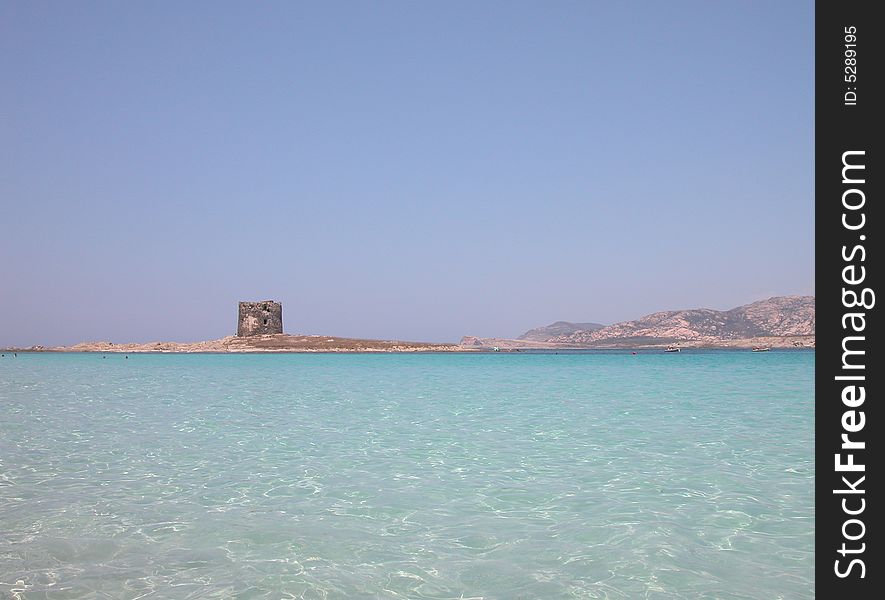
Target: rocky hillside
(781, 316)
(544, 334)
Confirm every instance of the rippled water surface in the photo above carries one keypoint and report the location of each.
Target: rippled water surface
(601, 475)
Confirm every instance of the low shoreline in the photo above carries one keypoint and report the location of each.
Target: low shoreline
(285, 343)
(276, 343)
(779, 342)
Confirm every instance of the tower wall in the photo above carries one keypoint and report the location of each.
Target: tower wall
(260, 318)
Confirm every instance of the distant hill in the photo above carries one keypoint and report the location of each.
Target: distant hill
(783, 321)
(780, 316)
(543, 334)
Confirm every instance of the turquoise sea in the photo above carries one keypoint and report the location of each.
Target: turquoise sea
(571, 475)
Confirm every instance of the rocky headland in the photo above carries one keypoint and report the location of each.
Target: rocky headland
(778, 322)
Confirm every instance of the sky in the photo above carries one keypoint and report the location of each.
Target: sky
(399, 170)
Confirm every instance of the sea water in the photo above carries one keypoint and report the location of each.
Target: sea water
(518, 475)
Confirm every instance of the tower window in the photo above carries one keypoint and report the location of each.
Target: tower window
(265, 321)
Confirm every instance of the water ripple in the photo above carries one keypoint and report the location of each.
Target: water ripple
(438, 476)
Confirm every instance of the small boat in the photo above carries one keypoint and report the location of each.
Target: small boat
(671, 349)
(761, 349)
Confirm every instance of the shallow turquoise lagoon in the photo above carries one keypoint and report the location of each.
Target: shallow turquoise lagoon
(576, 475)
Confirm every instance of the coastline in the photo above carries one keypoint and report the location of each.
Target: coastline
(283, 343)
(271, 343)
(638, 343)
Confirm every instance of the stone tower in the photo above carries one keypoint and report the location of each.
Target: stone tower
(259, 318)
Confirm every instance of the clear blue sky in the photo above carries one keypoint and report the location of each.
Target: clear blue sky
(408, 170)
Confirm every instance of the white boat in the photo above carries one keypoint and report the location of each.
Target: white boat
(671, 349)
(761, 349)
